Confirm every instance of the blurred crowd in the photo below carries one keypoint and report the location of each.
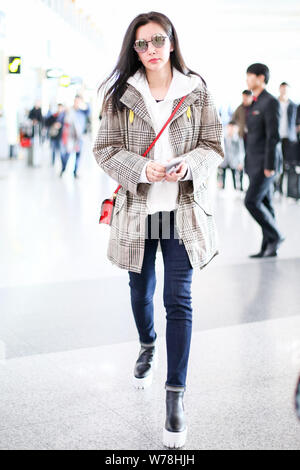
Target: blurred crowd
(235, 139)
(65, 128)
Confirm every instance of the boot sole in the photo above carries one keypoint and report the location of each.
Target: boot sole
(174, 440)
(145, 382)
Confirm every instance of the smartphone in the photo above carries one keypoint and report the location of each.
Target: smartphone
(171, 166)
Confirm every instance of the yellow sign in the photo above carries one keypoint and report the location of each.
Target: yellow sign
(14, 64)
(65, 81)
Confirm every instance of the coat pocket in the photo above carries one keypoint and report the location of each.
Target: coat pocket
(120, 199)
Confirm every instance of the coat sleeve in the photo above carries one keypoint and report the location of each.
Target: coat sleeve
(272, 115)
(123, 166)
(209, 152)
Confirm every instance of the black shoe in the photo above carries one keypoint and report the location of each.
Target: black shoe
(76, 176)
(175, 430)
(143, 370)
(273, 247)
(262, 250)
(258, 255)
(61, 173)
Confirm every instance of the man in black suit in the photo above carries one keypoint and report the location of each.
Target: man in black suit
(287, 130)
(263, 158)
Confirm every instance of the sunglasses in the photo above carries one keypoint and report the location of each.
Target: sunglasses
(158, 40)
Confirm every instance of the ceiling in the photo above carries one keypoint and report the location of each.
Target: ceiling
(264, 15)
(219, 38)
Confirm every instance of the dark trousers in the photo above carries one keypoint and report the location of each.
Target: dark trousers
(259, 203)
(56, 147)
(65, 158)
(285, 148)
(234, 172)
(176, 295)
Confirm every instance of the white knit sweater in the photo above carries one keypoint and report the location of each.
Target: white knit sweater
(162, 196)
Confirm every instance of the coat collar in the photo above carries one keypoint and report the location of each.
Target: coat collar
(134, 99)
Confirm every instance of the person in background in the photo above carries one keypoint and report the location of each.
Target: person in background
(287, 129)
(36, 116)
(240, 114)
(54, 122)
(297, 398)
(75, 124)
(298, 125)
(234, 154)
(225, 113)
(263, 158)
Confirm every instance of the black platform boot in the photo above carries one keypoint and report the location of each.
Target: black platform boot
(175, 431)
(143, 371)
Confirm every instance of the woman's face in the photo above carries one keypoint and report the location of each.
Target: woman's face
(162, 54)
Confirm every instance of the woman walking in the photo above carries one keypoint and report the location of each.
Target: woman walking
(155, 208)
(234, 155)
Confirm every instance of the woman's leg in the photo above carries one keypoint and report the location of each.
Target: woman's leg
(53, 148)
(78, 154)
(241, 180)
(223, 178)
(233, 171)
(64, 160)
(142, 287)
(177, 301)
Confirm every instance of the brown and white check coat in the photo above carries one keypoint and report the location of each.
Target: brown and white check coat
(196, 135)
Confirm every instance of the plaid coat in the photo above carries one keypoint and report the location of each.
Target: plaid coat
(195, 132)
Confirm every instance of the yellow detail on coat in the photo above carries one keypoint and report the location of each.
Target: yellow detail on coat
(131, 116)
(189, 112)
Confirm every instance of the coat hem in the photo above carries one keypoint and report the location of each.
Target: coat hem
(201, 266)
(133, 269)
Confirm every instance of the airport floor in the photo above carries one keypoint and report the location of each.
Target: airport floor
(68, 342)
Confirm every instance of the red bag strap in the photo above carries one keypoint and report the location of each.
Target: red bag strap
(158, 136)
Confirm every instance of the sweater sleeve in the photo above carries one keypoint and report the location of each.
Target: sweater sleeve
(143, 177)
(188, 175)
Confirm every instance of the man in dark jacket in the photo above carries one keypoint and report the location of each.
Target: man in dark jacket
(287, 130)
(240, 114)
(298, 124)
(263, 158)
(36, 116)
(55, 123)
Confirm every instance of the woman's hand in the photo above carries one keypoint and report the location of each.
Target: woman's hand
(178, 174)
(155, 172)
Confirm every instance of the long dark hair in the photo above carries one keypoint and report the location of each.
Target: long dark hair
(128, 62)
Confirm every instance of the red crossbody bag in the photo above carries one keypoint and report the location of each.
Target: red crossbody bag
(107, 207)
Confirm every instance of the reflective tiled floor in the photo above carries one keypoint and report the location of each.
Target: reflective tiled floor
(68, 343)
